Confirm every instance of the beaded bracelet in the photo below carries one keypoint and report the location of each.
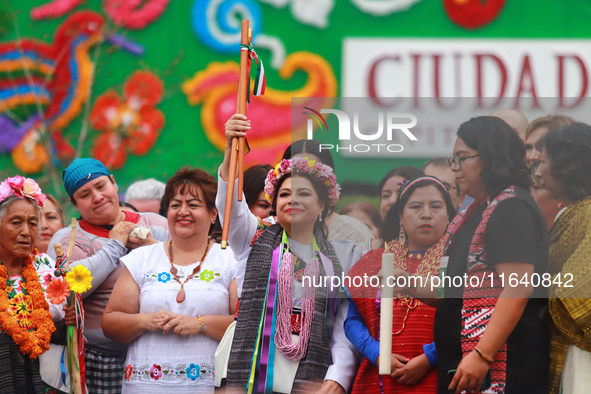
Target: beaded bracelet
(202, 325)
(483, 356)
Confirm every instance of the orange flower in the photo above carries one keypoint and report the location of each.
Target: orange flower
(57, 291)
(130, 124)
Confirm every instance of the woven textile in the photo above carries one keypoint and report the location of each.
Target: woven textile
(312, 368)
(569, 319)
(104, 373)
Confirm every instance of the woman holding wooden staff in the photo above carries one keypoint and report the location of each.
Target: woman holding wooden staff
(414, 230)
(307, 350)
(27, 326)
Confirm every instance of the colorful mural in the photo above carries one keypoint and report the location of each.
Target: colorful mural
(64, 86)
(215, 89)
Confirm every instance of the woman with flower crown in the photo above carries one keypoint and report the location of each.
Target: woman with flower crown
(298, 344)
(25, 316)
(414, 230)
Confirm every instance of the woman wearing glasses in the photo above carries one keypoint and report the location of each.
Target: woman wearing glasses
(488, 332)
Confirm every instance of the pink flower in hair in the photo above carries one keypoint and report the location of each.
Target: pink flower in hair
(325, 171)
(22, 187)
(16, 183)
(5, 191)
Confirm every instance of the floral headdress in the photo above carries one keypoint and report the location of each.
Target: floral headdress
(22, 187)
(303, 165)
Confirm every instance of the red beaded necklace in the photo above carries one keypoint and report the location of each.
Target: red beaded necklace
(180, 297)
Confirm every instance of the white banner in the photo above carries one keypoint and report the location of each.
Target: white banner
(432, 79)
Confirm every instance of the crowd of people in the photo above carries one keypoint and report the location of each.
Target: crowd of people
(509, 214)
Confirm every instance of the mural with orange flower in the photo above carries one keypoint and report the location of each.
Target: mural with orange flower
(215, 88)
(130, 124)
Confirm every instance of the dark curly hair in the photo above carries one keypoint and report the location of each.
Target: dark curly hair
(501, 150)
(569, 151)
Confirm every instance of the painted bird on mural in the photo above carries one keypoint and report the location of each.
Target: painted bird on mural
(43, 87)
(271, 116)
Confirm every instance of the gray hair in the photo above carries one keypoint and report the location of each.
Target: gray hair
(149, 189)
(437, 162)
(4, 205)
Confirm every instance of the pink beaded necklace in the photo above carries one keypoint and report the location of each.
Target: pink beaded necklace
(283, 332)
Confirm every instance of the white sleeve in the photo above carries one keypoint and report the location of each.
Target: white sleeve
(345, 358)
(243, 223)
(133, 262)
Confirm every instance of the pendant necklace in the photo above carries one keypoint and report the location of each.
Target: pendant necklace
(180, 297)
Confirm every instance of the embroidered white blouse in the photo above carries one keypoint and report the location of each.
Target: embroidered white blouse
(157, 362)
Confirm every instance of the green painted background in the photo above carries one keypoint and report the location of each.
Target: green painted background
(175, 53)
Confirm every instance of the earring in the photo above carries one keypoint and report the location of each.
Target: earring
(402, 235)
(320, 218)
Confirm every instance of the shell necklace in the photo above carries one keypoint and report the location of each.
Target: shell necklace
(180, 297)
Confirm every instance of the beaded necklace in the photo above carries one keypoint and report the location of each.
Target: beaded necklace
(298, 350)
(429, 266)
(180, 297)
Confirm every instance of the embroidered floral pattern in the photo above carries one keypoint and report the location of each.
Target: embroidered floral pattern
(193, 371)
(21, 309)
(206, 275)
(128, 371)
(156, 371)
(40, 262)
(168, 372)
(163, 277)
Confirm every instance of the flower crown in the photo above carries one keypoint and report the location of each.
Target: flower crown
(22, 187)
(303, 165)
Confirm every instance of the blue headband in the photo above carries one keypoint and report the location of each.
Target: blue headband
(82, 171)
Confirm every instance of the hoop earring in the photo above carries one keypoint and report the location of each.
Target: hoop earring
(402, 236)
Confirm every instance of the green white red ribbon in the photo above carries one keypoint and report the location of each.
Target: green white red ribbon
(260, 80)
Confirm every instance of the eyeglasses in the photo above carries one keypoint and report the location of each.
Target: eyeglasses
(450, 188)
(457, 161)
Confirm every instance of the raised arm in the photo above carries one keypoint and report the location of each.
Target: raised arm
(243, 224)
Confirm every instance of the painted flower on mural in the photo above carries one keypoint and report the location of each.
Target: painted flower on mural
(129, 124)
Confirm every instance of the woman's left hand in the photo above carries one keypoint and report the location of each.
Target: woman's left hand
(331, 387)
(470, 374)
(182, 325)
(413, 371)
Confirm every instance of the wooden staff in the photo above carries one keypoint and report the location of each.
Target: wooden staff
(237, 151)
(75, 380)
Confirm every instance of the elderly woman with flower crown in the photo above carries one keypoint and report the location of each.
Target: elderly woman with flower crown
(25, 314)
(289, 336)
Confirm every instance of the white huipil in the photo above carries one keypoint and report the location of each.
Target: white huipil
(157, 362)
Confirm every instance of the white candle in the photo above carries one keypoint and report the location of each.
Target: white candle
(386, 315)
